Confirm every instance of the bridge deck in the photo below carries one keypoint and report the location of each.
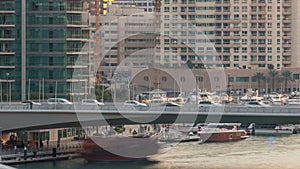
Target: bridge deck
(51, 116)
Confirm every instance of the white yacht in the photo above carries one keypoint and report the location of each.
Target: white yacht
(202, 96)
(275, 98)
(294, 99)
(251, 96)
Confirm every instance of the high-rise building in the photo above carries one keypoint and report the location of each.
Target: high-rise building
(147, 5)
(127, 33)
(41, 47)
(244, 34)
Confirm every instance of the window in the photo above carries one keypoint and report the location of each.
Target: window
(236, 57)
(146, 78)
(296, 76)
(242, 79)
(269, 58)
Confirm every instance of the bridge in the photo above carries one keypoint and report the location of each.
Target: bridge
(15, 117)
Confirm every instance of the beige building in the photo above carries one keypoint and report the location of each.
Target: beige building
(126, 35)
(248, 34)
(235, 37)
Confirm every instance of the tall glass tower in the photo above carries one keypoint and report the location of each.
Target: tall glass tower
(40, 45)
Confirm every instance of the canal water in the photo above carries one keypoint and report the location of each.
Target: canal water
(256, 152)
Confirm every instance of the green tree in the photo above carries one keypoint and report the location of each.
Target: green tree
(272, 76)
(259, 77)
(286, 75)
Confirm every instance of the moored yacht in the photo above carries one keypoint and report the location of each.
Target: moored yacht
(294, 99)
(251, 96)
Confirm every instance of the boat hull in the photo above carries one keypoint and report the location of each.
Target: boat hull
(222, 136)
(118, 149)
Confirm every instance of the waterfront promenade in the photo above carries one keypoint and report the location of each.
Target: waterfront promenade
(66, 150)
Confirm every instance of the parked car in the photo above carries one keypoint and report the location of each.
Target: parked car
(58, 101)
(256, 104)
(208, 104)
(171, 104)
(134, 103)
(91, 102)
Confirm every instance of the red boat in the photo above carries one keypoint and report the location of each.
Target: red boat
(221, 133)
(118, 148)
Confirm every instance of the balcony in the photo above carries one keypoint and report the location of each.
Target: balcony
(287, 53)
(7, 67)
(287, 12)
(257, 28)
(230, 37)
(227, 29)
(258, 37)
(286, 61)
(286, 21)
(286, 45)
(286, 37)
(257, 62)
(227, 45)
(77, 38)
(258, 4)
(7, 39)
(287, 29)
(76, 51)
(222, 4)
(258, 45)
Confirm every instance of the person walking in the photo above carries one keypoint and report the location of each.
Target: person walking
(15, 149)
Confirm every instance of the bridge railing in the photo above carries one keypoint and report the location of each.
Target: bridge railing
(154, 108)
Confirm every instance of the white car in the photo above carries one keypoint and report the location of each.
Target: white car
(134, 103)
(91, 102)
(58, 101)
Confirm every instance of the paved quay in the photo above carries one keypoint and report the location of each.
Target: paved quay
(64, 152)
(5, 167)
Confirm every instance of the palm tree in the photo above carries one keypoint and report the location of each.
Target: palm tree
(189, 64)
(286, 76)
(103, 92)
(259, 76)
(272, 75)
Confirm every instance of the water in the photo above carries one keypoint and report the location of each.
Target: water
(256, 152)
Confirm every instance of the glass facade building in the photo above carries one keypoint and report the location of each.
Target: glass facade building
(40, 46)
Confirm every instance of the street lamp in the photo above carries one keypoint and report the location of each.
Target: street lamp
(228, 87)
(0, 90)
(197, 99)
(7, 75)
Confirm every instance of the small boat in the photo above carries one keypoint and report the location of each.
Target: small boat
(254, 129)
(221, 133)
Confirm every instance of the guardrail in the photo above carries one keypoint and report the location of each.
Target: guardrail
(119, 107)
